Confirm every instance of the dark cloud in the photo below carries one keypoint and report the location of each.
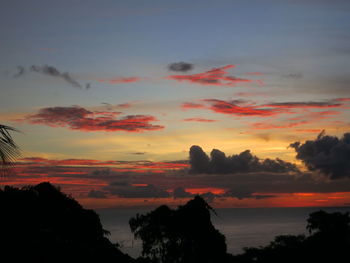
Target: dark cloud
(308, 104)
(20, 72)
(199, 160)
(179, 192)
(53, 72)
(128, 178)
(97, 194)
(180, 66)
(327, 154)
(136, 191)
(79, 118)
(119, 184)
(244, 162)
(240, 194)
(294, 75)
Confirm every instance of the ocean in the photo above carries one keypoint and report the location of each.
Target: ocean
(242, 227)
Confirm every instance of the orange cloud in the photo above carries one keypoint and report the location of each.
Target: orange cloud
(120, 80)
(234, 108)
(198, 120)
(190, 105)
(214, 77)
(198, 191)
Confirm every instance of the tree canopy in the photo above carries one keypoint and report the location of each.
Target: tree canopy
(185, 234)
(329, 241)
(41, 224)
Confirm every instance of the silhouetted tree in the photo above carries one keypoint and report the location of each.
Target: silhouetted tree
(41, 224)
(329, 241)
(185, 234)
(9, 150)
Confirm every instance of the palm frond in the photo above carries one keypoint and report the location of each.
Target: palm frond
(9, 151)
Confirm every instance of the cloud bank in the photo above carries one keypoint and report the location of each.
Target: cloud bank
(244, 162)
(327, 154)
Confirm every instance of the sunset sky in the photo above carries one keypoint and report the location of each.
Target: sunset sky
(110, 96)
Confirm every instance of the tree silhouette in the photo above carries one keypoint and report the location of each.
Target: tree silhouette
(41, 224)
(9, 150)
(185, 234)
(329, 241)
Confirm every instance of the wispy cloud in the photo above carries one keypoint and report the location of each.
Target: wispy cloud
(306, 117)
(214, 77)
(238, 109)
(269, 125)
(198, 120)
(342, 99)
(20, 72)
(122, 80)
(248, 108)
(191, 105)
(294, 75)
(304, 105)
(252, 94)
(52, 72)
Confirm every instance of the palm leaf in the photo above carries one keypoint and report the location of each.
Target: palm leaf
(9, 150)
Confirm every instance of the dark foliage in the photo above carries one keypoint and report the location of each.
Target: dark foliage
(329, 242)
(185, 234)
(41, 224)
(9, 150)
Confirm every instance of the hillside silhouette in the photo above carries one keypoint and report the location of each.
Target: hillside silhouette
(41, 224)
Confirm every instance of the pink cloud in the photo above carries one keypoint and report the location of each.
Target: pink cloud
(198, 120)
(79, 118)
(234, 108)
(215, 77)
(190, 105)
(120, 80)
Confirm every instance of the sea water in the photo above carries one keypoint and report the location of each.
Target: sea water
(242, 227)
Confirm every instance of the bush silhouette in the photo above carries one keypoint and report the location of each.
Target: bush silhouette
(41, 224)
(185, 234)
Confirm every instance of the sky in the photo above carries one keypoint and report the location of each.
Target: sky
(110, 96)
